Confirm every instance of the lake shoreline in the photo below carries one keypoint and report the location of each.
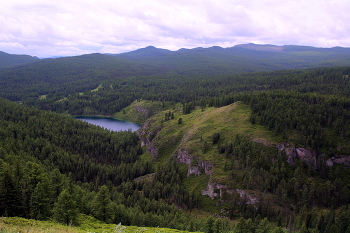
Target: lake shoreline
(109, 123)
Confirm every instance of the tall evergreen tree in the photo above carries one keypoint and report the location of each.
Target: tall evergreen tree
(278, 230)
(263, 227)
(40, 201)
(102, 205)
(209, 226)
(65, 210)
(11, 203)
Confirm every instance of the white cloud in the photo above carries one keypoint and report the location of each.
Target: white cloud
(72, 27)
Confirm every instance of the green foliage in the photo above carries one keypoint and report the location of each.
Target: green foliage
(65, 210)
(278, 230)
(215, 138)
(48, 160)
(52, 165)
(40, 201)
(102, 205)
(10, 196)
(263, 227)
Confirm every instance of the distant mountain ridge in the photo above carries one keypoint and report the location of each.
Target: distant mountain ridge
(292, 48)
(87, 71)
(240, 58)
(153, 51)
(8, 60)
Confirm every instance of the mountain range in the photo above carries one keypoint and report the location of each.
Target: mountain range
(251, 57)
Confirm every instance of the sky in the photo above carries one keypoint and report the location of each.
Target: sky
(47, 28)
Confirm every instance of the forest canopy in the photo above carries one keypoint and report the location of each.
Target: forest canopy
(53, 167)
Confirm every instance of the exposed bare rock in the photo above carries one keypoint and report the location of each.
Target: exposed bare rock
(250, 199)
(329, 163)
(282, 146)
(214, 190)
(193, 170)
(340, 160)
(194, 167)
(208, 167)
(147, 137)
(303, 154)
(183, 156)
(307, 156)
(151, 148)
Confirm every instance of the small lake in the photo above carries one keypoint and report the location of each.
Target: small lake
(110, 123)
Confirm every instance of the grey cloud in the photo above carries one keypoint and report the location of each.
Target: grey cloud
(45, 28)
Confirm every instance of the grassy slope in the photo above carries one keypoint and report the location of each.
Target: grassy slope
(196, 130)
(87, 224)
(139, 111)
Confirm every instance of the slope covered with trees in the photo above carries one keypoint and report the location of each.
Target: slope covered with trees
(69, 75)
(55, 167)
(249, 171)
(114, 95)
(256, 151)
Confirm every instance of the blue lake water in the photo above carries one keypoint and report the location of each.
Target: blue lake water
(110, 123)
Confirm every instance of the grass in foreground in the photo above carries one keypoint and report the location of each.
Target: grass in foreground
(87, 225)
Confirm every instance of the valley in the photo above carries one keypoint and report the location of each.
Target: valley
(252, 138)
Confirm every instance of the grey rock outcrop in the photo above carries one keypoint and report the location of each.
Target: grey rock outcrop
(244, 195)
(301, 153)
(214, 190)
(147, 137)
(340, 160)
(195, 167)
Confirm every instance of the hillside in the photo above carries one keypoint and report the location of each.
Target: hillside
(8, 60)
(70, 75)
(244, 169)
(55, 167)
(217, 151)
(191, 141)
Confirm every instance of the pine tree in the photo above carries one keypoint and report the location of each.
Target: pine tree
(278, 230)
(10, 196)
(263, 227)
(65, 210)
(102, 205)
(241, 226)
(209, 226)
(40, 202)
(218, 226)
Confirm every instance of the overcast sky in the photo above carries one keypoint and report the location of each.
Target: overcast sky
(46, 28)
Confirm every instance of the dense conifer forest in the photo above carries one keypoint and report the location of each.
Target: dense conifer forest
(53, 167)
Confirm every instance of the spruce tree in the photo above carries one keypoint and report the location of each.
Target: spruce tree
(65, 210)
(209, 226)
(263, 227)
(102, 205)
(278, 230)
(40, 201)
(10, 195)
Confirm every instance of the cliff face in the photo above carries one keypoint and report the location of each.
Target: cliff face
(148, 135)
(311, 157)
(195, 167)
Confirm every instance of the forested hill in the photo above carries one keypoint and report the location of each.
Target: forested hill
(70, 75)
(67, 75)
(252, 147)
(56, 167)
(8, 60)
